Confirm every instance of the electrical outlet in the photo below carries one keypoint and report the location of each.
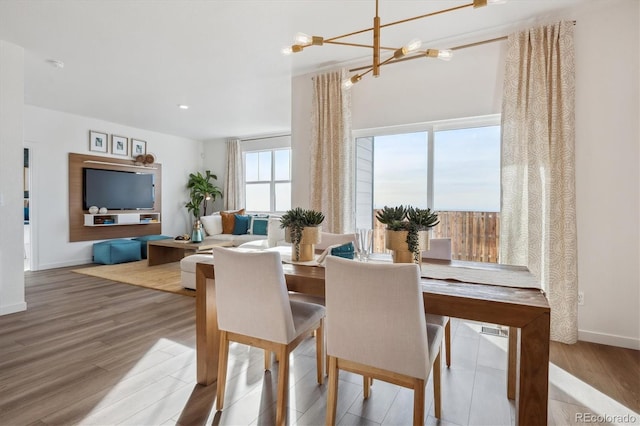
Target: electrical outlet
(580, 298)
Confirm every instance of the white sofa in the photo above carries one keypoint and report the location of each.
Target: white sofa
(213, 229)
(188, 268)
(235, 240)
(274, 237)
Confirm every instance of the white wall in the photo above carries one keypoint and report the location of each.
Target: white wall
(607, 145)
(11, 180)
(607, 179)
(215, 159)
(51, 136)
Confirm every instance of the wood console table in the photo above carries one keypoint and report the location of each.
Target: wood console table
(524, 309)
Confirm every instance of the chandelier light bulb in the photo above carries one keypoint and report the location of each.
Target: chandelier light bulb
(349, 82)
(346, 83)
(302, 38)
(287, 50)
(413, 45)
(445, 54)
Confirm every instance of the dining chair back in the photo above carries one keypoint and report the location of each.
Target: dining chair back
(254, 309)
(376, 327)
(440, 249)
(329, 239)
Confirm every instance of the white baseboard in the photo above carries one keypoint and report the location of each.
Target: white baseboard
(12, 309)
(609, 339)
(76, 262)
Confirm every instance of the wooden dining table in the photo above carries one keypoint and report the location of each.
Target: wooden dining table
(525, 311)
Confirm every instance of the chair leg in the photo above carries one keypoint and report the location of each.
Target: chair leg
(222, 370)
(267, 360)
(283, 385)
(436, 386)
(447, 342)
(332, 391)
(366, 386)
(418, 402)
(320, 352)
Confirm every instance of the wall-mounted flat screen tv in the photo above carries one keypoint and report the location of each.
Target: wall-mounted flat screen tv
(117, 190)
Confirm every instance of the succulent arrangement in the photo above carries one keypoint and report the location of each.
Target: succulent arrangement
(411, 219)
(296, 220)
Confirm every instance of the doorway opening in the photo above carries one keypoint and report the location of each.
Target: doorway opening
(27, 222)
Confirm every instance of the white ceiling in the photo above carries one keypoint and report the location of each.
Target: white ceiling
(133, 61)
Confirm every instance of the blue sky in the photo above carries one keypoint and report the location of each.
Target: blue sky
(466, 169)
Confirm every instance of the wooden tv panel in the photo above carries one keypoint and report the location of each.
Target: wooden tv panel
(77, 229)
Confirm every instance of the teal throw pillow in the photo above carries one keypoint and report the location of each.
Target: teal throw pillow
(241, 225)
(345, 250)
(259, 225)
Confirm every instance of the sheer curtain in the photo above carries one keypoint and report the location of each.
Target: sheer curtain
(234, 177)
(538, 217)
(331, 152)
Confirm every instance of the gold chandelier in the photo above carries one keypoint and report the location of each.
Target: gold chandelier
(409, 51)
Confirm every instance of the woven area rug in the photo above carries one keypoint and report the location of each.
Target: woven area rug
(160, 277)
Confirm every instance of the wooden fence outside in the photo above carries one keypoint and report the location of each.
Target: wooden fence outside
(475, 236)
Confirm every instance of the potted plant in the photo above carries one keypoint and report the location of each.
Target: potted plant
(201, 190)
(302, 230)
(407, 233)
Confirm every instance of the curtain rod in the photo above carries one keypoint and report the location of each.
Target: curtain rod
(264, 137)
(464, 46)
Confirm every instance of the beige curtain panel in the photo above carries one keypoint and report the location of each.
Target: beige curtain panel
(234, 177)
(331, 152)
(538, 218)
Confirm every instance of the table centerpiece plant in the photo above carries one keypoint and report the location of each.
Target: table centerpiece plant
(407, 231)
(303, 231)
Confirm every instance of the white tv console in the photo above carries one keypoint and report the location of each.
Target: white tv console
(111, 219)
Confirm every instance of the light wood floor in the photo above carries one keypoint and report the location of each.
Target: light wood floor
(90, 351)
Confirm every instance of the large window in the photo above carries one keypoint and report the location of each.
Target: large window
(452, 167)
(268, 180)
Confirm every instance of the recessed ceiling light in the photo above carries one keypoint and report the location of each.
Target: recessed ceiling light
(183, 106)
(56, 63)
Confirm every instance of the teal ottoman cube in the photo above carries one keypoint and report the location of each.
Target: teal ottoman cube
(116, 251)
(143, 242)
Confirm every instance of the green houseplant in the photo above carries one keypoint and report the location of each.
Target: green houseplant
(302, 229)
(201, 190)
(407, 231)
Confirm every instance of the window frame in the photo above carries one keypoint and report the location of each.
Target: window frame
(430, 128)
(266, 144)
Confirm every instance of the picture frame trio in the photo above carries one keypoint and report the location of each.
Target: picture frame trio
(99, 142)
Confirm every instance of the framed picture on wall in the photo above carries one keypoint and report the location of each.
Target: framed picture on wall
(119, 145)
(97, 141)
(138, 147)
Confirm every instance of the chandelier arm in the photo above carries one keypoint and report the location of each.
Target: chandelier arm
(398, 22)
(426, 15)
(367, 71)
(421, 54)
(328, 40)
(342, 43)
(388, 62)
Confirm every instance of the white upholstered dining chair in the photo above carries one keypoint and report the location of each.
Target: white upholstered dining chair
(376, 327)
(329, 239)
(254, 309)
